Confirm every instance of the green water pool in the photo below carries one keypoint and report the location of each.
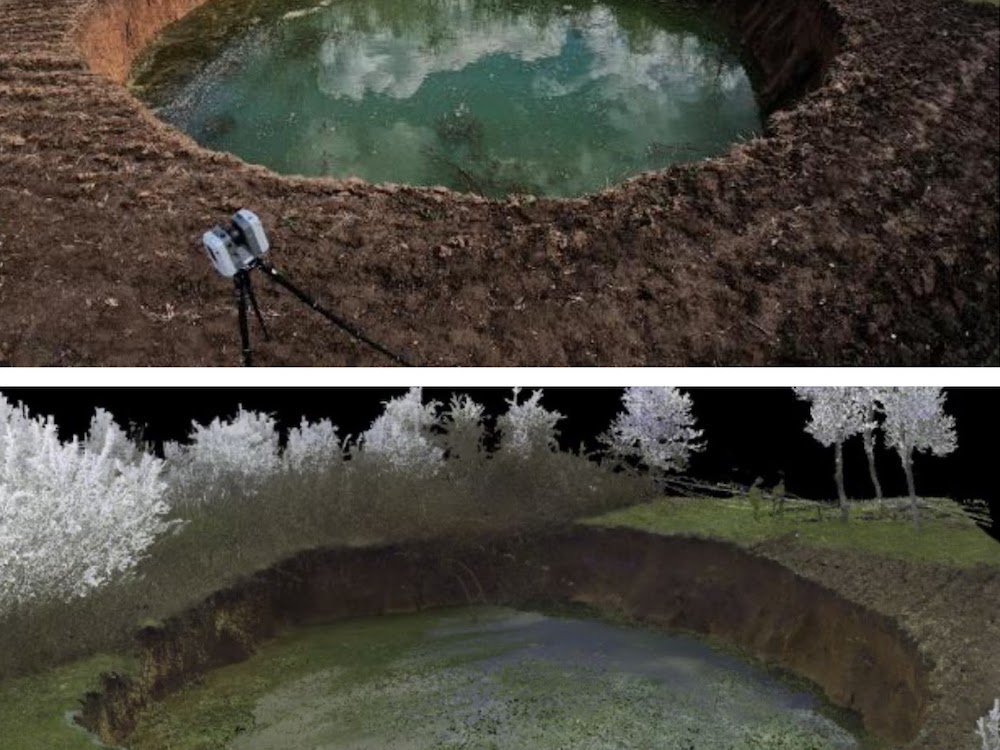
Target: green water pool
(548, 97)
(488, 678)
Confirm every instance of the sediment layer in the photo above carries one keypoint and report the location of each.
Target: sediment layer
(862, 229)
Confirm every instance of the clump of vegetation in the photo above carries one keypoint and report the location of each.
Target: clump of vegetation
(755, 496)
(988, 727)
(73, 515)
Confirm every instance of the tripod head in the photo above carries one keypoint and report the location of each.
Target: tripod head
(238, 247)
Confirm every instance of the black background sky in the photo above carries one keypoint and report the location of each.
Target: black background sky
(750, 432)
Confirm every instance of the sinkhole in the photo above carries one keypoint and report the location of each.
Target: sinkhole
(491, 677)
(494, 97)
(579, 638)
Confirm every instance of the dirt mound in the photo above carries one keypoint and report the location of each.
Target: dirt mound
(863, 229)
(858, 656)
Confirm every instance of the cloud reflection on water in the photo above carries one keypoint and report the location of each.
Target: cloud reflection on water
(356, 60)
(491, 96)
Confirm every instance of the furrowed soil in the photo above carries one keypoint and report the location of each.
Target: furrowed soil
(861, 230)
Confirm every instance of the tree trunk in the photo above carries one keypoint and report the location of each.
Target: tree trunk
(838, 475)
(869, 439)
(911, 487)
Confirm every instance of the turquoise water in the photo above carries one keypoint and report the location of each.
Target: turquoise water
(530, 96)
(488, 678)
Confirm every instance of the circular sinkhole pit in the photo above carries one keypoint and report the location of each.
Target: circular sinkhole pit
(490, 677)
(545, 97)
(583, 638)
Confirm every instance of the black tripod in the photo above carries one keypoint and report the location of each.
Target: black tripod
(243, 289)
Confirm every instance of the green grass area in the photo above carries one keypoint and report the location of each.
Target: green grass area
(34, 710)
(946, 536)
(480, 677)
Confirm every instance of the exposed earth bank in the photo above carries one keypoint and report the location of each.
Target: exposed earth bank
(863, 229)
(827, 617)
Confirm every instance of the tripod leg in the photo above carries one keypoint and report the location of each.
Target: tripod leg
(253, 303)
(277, 277)
(240, 281)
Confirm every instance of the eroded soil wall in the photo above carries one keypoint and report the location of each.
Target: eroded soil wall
(859, 658)
(789, 43)
(114, 32)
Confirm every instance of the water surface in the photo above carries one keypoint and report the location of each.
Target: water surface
(489, 96)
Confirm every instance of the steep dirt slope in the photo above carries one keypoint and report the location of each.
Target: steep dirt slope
(950, 613)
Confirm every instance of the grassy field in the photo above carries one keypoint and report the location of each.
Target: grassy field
(34, 710)
(947, 536)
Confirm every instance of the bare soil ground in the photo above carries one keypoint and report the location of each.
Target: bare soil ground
(862, 230)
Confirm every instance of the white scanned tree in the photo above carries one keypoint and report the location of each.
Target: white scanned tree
(404, 436)
(528, 428)
(312, 447)
(105, 434)
(988, 727)
(656, 428)
(73, 515)
(837, 413)
(869, 399)
(224, 459)
(915, 420)
(464, 428)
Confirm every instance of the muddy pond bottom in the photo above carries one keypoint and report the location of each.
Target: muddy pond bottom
(488, 677)
(486, 96)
